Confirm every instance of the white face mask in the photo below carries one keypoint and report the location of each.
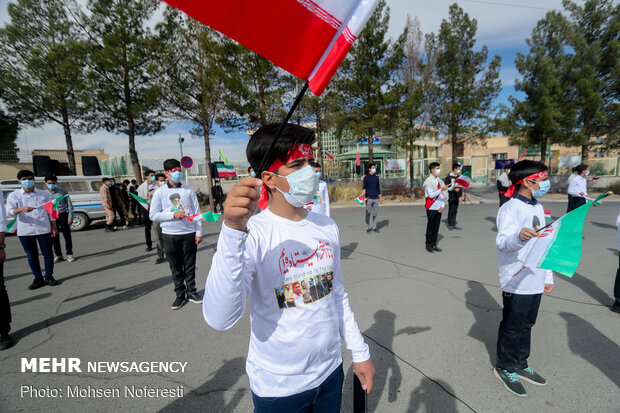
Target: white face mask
(587, 173)
(303, 185)
(437, 172)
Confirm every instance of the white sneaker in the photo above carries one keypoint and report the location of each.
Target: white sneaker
(58, 259)
(124, 227)
(70, 258)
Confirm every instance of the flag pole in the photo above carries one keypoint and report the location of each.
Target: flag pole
(300, 95)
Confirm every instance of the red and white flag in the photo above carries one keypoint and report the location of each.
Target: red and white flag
(358, 161)
(307, 38)
(329, 155)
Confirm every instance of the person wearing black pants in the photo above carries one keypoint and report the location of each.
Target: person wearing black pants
(432, 228)
(434, 189)
(5, 306)
(64, 220)
(454, 196)
(181, 253)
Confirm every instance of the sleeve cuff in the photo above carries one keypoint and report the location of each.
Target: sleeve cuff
(362, 355)
(549, 277)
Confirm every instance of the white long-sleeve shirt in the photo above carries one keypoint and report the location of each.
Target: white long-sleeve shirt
(578, 185)
(35, 222)
(321, 200)
(431, 189)
(618, 235)
(2, 214)
(513, 216)
(293, 347)
(166, 201)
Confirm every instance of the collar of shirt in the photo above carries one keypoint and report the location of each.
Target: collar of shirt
(526, 200)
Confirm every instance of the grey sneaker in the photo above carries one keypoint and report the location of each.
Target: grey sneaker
(70, 258)
(531, 376)
(510, 381)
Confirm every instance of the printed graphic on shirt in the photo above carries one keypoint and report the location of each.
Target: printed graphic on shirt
(305, 291)
(307, 257)
(177, 206)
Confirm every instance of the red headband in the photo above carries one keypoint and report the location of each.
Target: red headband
(299, 151)
(538, 175)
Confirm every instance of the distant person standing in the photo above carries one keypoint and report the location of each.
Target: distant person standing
(171, 205)
(371, 190)
(124, 188)
(251, 172)
(160, 180)
(434, 189)
(218, 197)
(454, 196)
(578, 188)
(34, 225)
(5, 306)
(503, 182)
(136, 210)
(570, 179)
(111, 202)
(320, 204)
(64, 220)
(143, 192)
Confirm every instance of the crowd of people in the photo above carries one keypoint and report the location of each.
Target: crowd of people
(279, 248)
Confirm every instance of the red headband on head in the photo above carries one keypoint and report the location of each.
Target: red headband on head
(538, 175)
(299, 151)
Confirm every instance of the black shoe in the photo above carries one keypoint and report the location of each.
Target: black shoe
(160, 260)
(375, 230)
(178, 303)
(149, 249)
(5, 342)
(450, 228)
(37, 283)
(51, 281)
(368, 230)
(194, 298)
(531, 376)
(510, 381)
(436, 248)
(615, 308)
(429, 248)
(110, 230)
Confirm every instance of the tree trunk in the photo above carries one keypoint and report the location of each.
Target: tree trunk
(370, 148)
(454, 143)
(585, 153)
(209, 177)
(133, 155)
(411, 168)
(543, 149)
(69, 141)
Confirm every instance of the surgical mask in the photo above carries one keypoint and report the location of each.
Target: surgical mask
(176, 176)
(437, 172)
(160, 183)
(152, 178)
(111, 183)
(587, 173)
(51, 186)
(544, 188)
(458, 171)
(318, 175)
(373, 170)
(303, 184)
(253, 174)
(27, 183)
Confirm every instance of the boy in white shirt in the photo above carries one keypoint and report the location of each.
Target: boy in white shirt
(320, 203)
(578, 188)
(434, 189)
(172, 203)
(522, 287)
(294, 361)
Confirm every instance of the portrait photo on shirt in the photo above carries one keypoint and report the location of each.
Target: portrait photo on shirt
(177, 206)
(304, 291)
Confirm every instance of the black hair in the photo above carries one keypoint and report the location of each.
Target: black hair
(175, 196)
(370, 165)
(315, 164)
(51, 178)
(250, 169)
(24, 173)
(171, 164)
(160, 175)
(574, 169)
(104, 180)
(260, 144)
(148, 172)
(580, 168)
(133, 181)
(524, 169)
(432, 166)
(456, 166)
(126, 181)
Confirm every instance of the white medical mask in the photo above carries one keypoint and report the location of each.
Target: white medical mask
(587, 173)
(373, 170)
(152, 178)
(318, 175)
(176, 176)
(544, 188)
(51, 186)
(437, 172)
(27, 183)
(253, 174)
(303, 185)
(458, 171)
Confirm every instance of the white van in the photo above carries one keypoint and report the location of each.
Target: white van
(84, 193)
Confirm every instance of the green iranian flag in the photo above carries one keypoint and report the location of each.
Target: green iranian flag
(558, 246)
(141, 201)
(11, 227)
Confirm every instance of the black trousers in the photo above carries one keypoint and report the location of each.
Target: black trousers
(181, 253)
(453, 208)
(432, 226)
(148, 224)
(575, 202)
(515, 330)
(617, 285)
(5, 308)
(118, 209)
(62, 224)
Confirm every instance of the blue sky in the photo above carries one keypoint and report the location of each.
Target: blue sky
(503, 26)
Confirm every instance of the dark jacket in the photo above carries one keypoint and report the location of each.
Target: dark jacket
(452, 194)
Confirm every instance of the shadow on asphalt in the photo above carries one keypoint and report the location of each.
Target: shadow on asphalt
(383, 224)
(210, 396)
(487, 315)
(385, 362)
(30, 299)
(606, 226)
(589, 287)
(494, 221)
(429, 396)
(347, 250)
(120, 296)
(593, 346)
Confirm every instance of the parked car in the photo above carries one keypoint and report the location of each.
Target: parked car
(84, 193)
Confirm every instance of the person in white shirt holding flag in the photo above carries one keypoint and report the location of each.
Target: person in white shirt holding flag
(436, 197)
(294, 361)
(522, 287)
(578, 188)
(320, 202)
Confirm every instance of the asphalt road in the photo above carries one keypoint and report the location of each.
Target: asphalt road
(430, 319)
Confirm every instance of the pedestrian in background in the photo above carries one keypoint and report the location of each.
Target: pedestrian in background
(434, 189)
(454, 195)
(64, 220)
(503, 182)
(578, 188)
(5, 305)
(371, 191)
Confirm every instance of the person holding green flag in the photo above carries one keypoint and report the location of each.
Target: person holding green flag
(64, 220)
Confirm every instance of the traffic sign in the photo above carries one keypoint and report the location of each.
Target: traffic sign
(186, 162)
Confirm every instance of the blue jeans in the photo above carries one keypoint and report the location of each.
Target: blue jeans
(325, 398)
(32, 252)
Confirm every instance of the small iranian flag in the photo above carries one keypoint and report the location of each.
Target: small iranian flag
(141, 201)
(360, 200)
(52, 206)
(329, 155)
(226, 171)
(464, 180)
(558, 247)
(11, 227)
(548, 215)
(207, 216)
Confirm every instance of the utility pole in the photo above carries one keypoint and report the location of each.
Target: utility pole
(181, 140)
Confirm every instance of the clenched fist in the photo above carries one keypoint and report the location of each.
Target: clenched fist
(241, 203)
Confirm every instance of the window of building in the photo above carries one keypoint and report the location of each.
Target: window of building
(503, 155)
